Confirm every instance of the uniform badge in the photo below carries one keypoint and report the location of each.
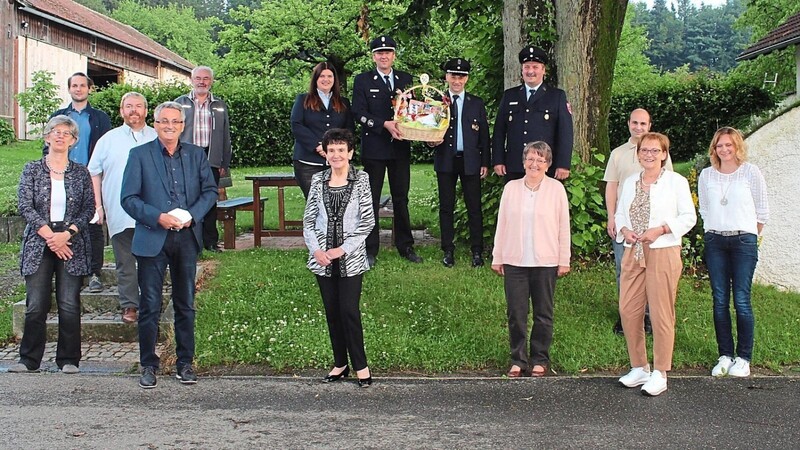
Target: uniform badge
(477, 127)
(370, 123)
(363, 119)
(510, 118)
(546, 115)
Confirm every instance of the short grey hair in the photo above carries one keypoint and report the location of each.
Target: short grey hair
(201, 68)
(539, 148)
(169, 105)
(62, 120)
(133, 95)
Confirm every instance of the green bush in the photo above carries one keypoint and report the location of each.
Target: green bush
(7, 134)
(259, 113)
(690, 108)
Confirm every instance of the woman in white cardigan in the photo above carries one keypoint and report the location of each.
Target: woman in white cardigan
(655, 211)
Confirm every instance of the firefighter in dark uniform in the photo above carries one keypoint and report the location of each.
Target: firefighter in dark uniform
(382, 146)
(464, 153)
(533, 111)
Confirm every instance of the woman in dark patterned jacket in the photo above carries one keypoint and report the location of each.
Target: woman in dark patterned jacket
(57, 202)
(337, 220)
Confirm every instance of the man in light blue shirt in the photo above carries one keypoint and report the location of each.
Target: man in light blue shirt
(107, 166)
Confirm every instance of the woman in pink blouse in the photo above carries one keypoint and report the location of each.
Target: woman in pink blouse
(532, 249)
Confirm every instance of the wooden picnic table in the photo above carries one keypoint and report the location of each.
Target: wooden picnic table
(280, 181)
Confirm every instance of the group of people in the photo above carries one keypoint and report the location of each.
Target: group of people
(155, 188)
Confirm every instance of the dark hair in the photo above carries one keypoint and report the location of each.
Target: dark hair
(338, 136)
(79, 74)
(312, 101)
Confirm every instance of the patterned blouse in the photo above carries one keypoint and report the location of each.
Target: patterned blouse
(339, 217)
(640, 217)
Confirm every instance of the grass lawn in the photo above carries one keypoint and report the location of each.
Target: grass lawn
(263, 306)
(431, 319)
(422, 197)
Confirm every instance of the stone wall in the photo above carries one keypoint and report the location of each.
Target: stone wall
(11, 229)
(775, 149)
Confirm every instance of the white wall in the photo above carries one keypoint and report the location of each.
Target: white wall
(775, 149)
(169, 75)
(36, 55)
(136, 78)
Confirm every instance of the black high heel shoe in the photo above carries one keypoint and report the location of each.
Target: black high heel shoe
(331, 378)
(365, 382)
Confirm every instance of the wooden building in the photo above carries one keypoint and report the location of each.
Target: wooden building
(64, 37)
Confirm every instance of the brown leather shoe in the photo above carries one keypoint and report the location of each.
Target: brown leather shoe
(130, 315)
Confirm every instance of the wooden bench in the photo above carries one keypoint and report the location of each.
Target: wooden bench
(226, 213)
(386, 211)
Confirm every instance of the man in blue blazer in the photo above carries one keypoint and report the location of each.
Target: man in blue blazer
(464, 153)
(382, 146)
(532, 111)
(168, 188)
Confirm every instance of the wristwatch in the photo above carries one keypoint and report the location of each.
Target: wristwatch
(72, 232)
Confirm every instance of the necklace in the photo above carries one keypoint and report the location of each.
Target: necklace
(724, 200)
(57, 172)
(646, 184)
(533, 188)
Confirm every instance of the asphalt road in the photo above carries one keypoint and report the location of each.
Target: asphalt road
(52, 410)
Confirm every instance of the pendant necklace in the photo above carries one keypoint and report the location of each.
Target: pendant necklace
(724, 200)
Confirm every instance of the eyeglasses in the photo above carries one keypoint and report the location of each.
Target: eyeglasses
(58, 133)
(650, 151)
(539, 161)
(166, 122)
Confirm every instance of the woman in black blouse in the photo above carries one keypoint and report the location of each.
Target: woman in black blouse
(315, 112)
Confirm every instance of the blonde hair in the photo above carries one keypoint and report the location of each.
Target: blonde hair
(738, 143)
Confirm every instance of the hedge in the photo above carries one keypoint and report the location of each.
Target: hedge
(691, 109)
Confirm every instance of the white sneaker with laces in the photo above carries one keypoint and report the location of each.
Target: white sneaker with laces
(740, 368)
(636, 377)
(722, 367)
(656, 384)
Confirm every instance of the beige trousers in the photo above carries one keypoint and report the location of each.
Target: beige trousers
(653, 281)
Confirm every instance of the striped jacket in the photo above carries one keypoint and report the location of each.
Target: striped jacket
(358, 219)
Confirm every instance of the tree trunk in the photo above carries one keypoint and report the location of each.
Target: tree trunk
(515, 12)
(586, 51)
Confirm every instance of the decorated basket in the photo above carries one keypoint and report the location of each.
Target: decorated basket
(418, 113)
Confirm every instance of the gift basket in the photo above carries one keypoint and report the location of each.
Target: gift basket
(418, 113)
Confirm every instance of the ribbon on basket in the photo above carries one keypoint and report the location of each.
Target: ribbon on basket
(422, 112)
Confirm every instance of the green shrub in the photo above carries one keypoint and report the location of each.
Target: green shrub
(259, 113)
(7, 134)
(690, 108)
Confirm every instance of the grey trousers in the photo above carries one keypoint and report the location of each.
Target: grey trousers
(127, 275)
(537, 285)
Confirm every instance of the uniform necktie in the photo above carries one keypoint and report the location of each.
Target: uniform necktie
(388, 83)
(532, 92)
(455, 120)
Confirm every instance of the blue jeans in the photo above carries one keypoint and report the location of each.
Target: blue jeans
(731, 262)
(38, 288)
(180, 253)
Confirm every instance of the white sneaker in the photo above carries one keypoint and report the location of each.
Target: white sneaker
(70, 369)
(722, 367)
(636, 377)
(740, 368)
(656, 384)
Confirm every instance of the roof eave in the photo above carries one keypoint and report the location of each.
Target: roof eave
(77, 27)
(745, 55)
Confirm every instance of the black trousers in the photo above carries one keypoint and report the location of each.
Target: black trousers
(303, 173)
(399, 183)
(341, 296)
(471, 186)
(98, 239)
(210, 232)
(537, 284)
